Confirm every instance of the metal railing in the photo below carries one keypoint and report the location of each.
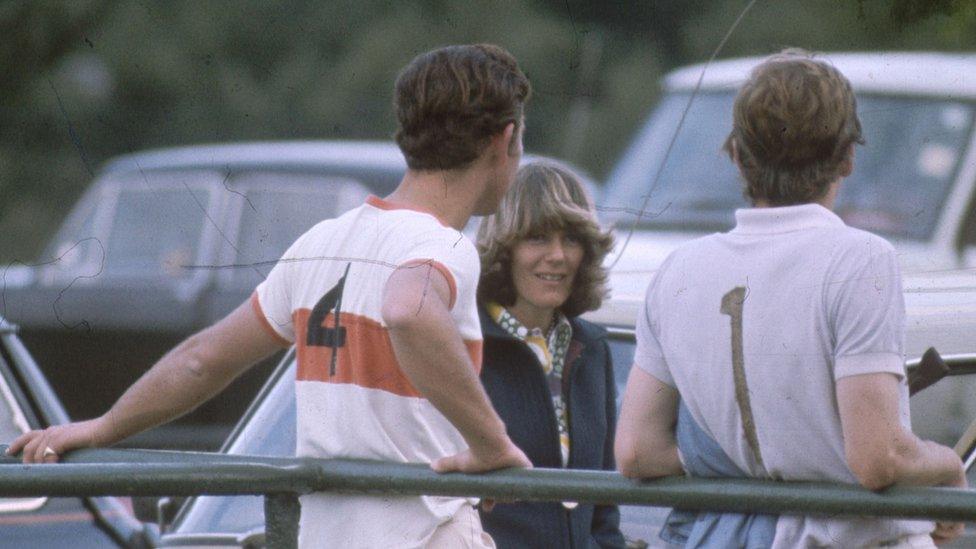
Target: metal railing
(108, 472)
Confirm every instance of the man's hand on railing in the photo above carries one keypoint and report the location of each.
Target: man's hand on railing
(946, 532)
(489, 458)
(45, 446)
(468, 461)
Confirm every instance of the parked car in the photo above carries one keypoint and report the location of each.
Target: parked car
(166, 242)
(913, 183)
(27, 402)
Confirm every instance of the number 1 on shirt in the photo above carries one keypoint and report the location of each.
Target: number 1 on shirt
(732, 303)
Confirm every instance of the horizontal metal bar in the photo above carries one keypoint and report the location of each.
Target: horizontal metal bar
(961, 364)
(133, 472)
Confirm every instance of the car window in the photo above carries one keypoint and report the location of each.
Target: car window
(901, 178)
(76, 247)
(71, 250)
(276, 208)
(157, 227)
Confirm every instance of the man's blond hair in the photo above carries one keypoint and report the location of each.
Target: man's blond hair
(794, 121)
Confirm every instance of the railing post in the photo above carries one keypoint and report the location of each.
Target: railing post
(281, 513)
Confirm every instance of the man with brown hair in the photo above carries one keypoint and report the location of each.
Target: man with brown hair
(783, 338)
(380, 304)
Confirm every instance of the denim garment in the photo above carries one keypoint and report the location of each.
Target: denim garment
(703, 457)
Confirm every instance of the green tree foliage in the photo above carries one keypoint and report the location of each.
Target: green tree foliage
(89, 79)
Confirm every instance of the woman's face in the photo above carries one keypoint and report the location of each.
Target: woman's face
(543, 269)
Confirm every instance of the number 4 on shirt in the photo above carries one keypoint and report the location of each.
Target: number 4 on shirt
(318, 335)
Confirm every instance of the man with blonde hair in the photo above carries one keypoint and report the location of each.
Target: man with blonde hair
(776, 350)
(380, 304)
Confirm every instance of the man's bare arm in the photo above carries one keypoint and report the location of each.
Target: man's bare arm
(188, 375)
(431, 353)
(880, 451)
(645, 445)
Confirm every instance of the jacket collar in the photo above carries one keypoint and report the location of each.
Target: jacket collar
(583, 332)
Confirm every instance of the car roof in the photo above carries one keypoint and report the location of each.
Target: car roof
(311, 155)
(291, 155)
(897, 73)
(381, 155)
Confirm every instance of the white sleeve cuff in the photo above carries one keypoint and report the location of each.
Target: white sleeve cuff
(869, 363)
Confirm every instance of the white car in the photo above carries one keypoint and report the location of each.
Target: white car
(913, 183)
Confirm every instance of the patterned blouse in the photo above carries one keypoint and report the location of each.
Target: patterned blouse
(551, 354)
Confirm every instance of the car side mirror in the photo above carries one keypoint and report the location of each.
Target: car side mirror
(165, 512)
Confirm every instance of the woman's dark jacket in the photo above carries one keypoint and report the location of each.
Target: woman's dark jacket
(520, 393)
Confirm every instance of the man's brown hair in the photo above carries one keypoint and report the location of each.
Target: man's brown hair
(794, 121)
(546, 196)
(450, 101)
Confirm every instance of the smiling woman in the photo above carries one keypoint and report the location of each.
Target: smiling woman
(548, 373)
(543, 269)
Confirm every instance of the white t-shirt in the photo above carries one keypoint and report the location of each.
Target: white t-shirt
(818, 301)
(361, 405)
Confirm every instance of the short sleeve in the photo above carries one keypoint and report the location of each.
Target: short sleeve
(451, 254)
(867, 311)
(648, 355)
(272, 299)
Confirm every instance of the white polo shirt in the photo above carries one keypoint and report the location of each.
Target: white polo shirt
(353, 401)
(807, 300)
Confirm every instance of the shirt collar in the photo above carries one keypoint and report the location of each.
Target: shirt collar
(384, 204)
(502, 317)
(784, 219)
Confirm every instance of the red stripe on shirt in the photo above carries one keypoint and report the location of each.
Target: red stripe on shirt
(365, 359)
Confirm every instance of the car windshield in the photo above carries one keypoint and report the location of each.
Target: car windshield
(276, 208)
(901, 178)
(270, 431)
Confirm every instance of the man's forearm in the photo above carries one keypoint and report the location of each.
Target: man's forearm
(174, 386)
(194, 371)
(926, 463)
(645, 443)
(191, 373)
(880, 451)
(642, 457)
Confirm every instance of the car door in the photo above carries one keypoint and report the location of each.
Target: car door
(26, 402)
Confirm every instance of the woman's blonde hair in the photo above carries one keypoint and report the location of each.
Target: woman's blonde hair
(545, 196)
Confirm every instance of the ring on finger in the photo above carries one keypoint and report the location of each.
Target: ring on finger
(48, 451)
